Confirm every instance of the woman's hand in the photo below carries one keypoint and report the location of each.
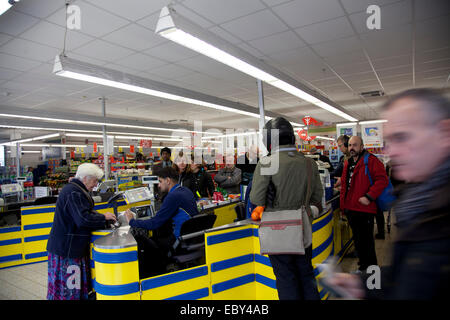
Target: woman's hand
(110, 216)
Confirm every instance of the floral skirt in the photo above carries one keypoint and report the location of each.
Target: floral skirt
(68, 278)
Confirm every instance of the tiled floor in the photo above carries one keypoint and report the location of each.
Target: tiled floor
(29, 282)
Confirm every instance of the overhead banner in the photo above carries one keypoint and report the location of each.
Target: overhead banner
(372, 135)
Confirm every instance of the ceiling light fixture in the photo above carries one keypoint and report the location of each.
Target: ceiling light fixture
(372, 121)
(176, 28)
(47, 136)
(70, 68)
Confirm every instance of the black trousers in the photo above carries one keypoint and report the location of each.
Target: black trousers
(295, 278)
(379, 217)
(362, 224)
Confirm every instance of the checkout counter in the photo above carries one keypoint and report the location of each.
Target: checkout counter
(23, 239)
(233, 267)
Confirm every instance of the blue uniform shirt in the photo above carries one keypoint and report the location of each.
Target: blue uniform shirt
(179, 205)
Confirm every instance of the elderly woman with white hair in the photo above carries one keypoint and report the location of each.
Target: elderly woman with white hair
(68, 244)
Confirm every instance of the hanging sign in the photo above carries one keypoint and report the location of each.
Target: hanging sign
(95, 147)
(131, 148)
(372, 135)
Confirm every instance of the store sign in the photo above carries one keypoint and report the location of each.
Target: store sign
(95, 149)
(372, 135)
(349, 130)
(131, 148)
(145, 143)
(49, 153)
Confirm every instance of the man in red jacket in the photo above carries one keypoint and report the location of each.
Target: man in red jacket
(358, 198)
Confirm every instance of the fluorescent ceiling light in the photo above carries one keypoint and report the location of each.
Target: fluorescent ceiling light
(186, 33)
(346, 124)
(55, 145)
(325, 138)
(5, 5)
(82, 135)
(372, 121)
(47, 136)
(78, 70)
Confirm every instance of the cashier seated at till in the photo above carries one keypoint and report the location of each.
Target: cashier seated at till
(178, 206)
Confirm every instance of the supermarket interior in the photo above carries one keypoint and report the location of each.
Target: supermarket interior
(148, 89)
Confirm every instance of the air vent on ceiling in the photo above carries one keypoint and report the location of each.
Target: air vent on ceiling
(371, 94)
(177, 121)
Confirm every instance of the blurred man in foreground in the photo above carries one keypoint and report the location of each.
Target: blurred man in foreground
(418, 139)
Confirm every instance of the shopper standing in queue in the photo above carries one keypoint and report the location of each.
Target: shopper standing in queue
(69, 276)
(417, 135)
(294, 274)
(357, 199)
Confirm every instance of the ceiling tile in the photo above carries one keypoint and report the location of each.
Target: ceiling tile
(257, 25)
(29, 50)
(278, 42)
(16, 63)
(326, 31)
(135, 37)
(390, 62)
(225, 35)
(4, 38)
(53, 35)
(391, 15)
(354, 56)
(388, 42)
(303, 12)
(103, 50)
(14, 23)
(433, 33)
(352, 6)
(131, 9)
(170, 71)
(431, 9)
(338, 47)
(221, 11)
(353, 68)
(273, 3)
(139, 61)
(171, 52)
(94, 21)
(39, 9)
(8, 74)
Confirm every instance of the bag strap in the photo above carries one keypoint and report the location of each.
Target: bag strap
(366, 162)
(308, 187)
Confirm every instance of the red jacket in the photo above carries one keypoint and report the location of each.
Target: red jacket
(360, 185)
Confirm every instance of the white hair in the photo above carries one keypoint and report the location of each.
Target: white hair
(89, 170)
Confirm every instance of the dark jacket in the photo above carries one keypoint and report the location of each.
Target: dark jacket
(360, 184)
(179, 205)
(203, 183)
(73, 222)
(231, 185)
(420, 268)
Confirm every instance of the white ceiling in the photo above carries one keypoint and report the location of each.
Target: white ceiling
(324, 43)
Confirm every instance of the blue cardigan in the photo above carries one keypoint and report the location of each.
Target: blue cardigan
(179, 205)
(73, 222)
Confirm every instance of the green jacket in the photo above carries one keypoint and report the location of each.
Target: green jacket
(290, 181)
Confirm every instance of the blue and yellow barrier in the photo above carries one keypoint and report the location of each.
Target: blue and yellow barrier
(117, 273)
(27, 243)
(234, 268)
(11, 246)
